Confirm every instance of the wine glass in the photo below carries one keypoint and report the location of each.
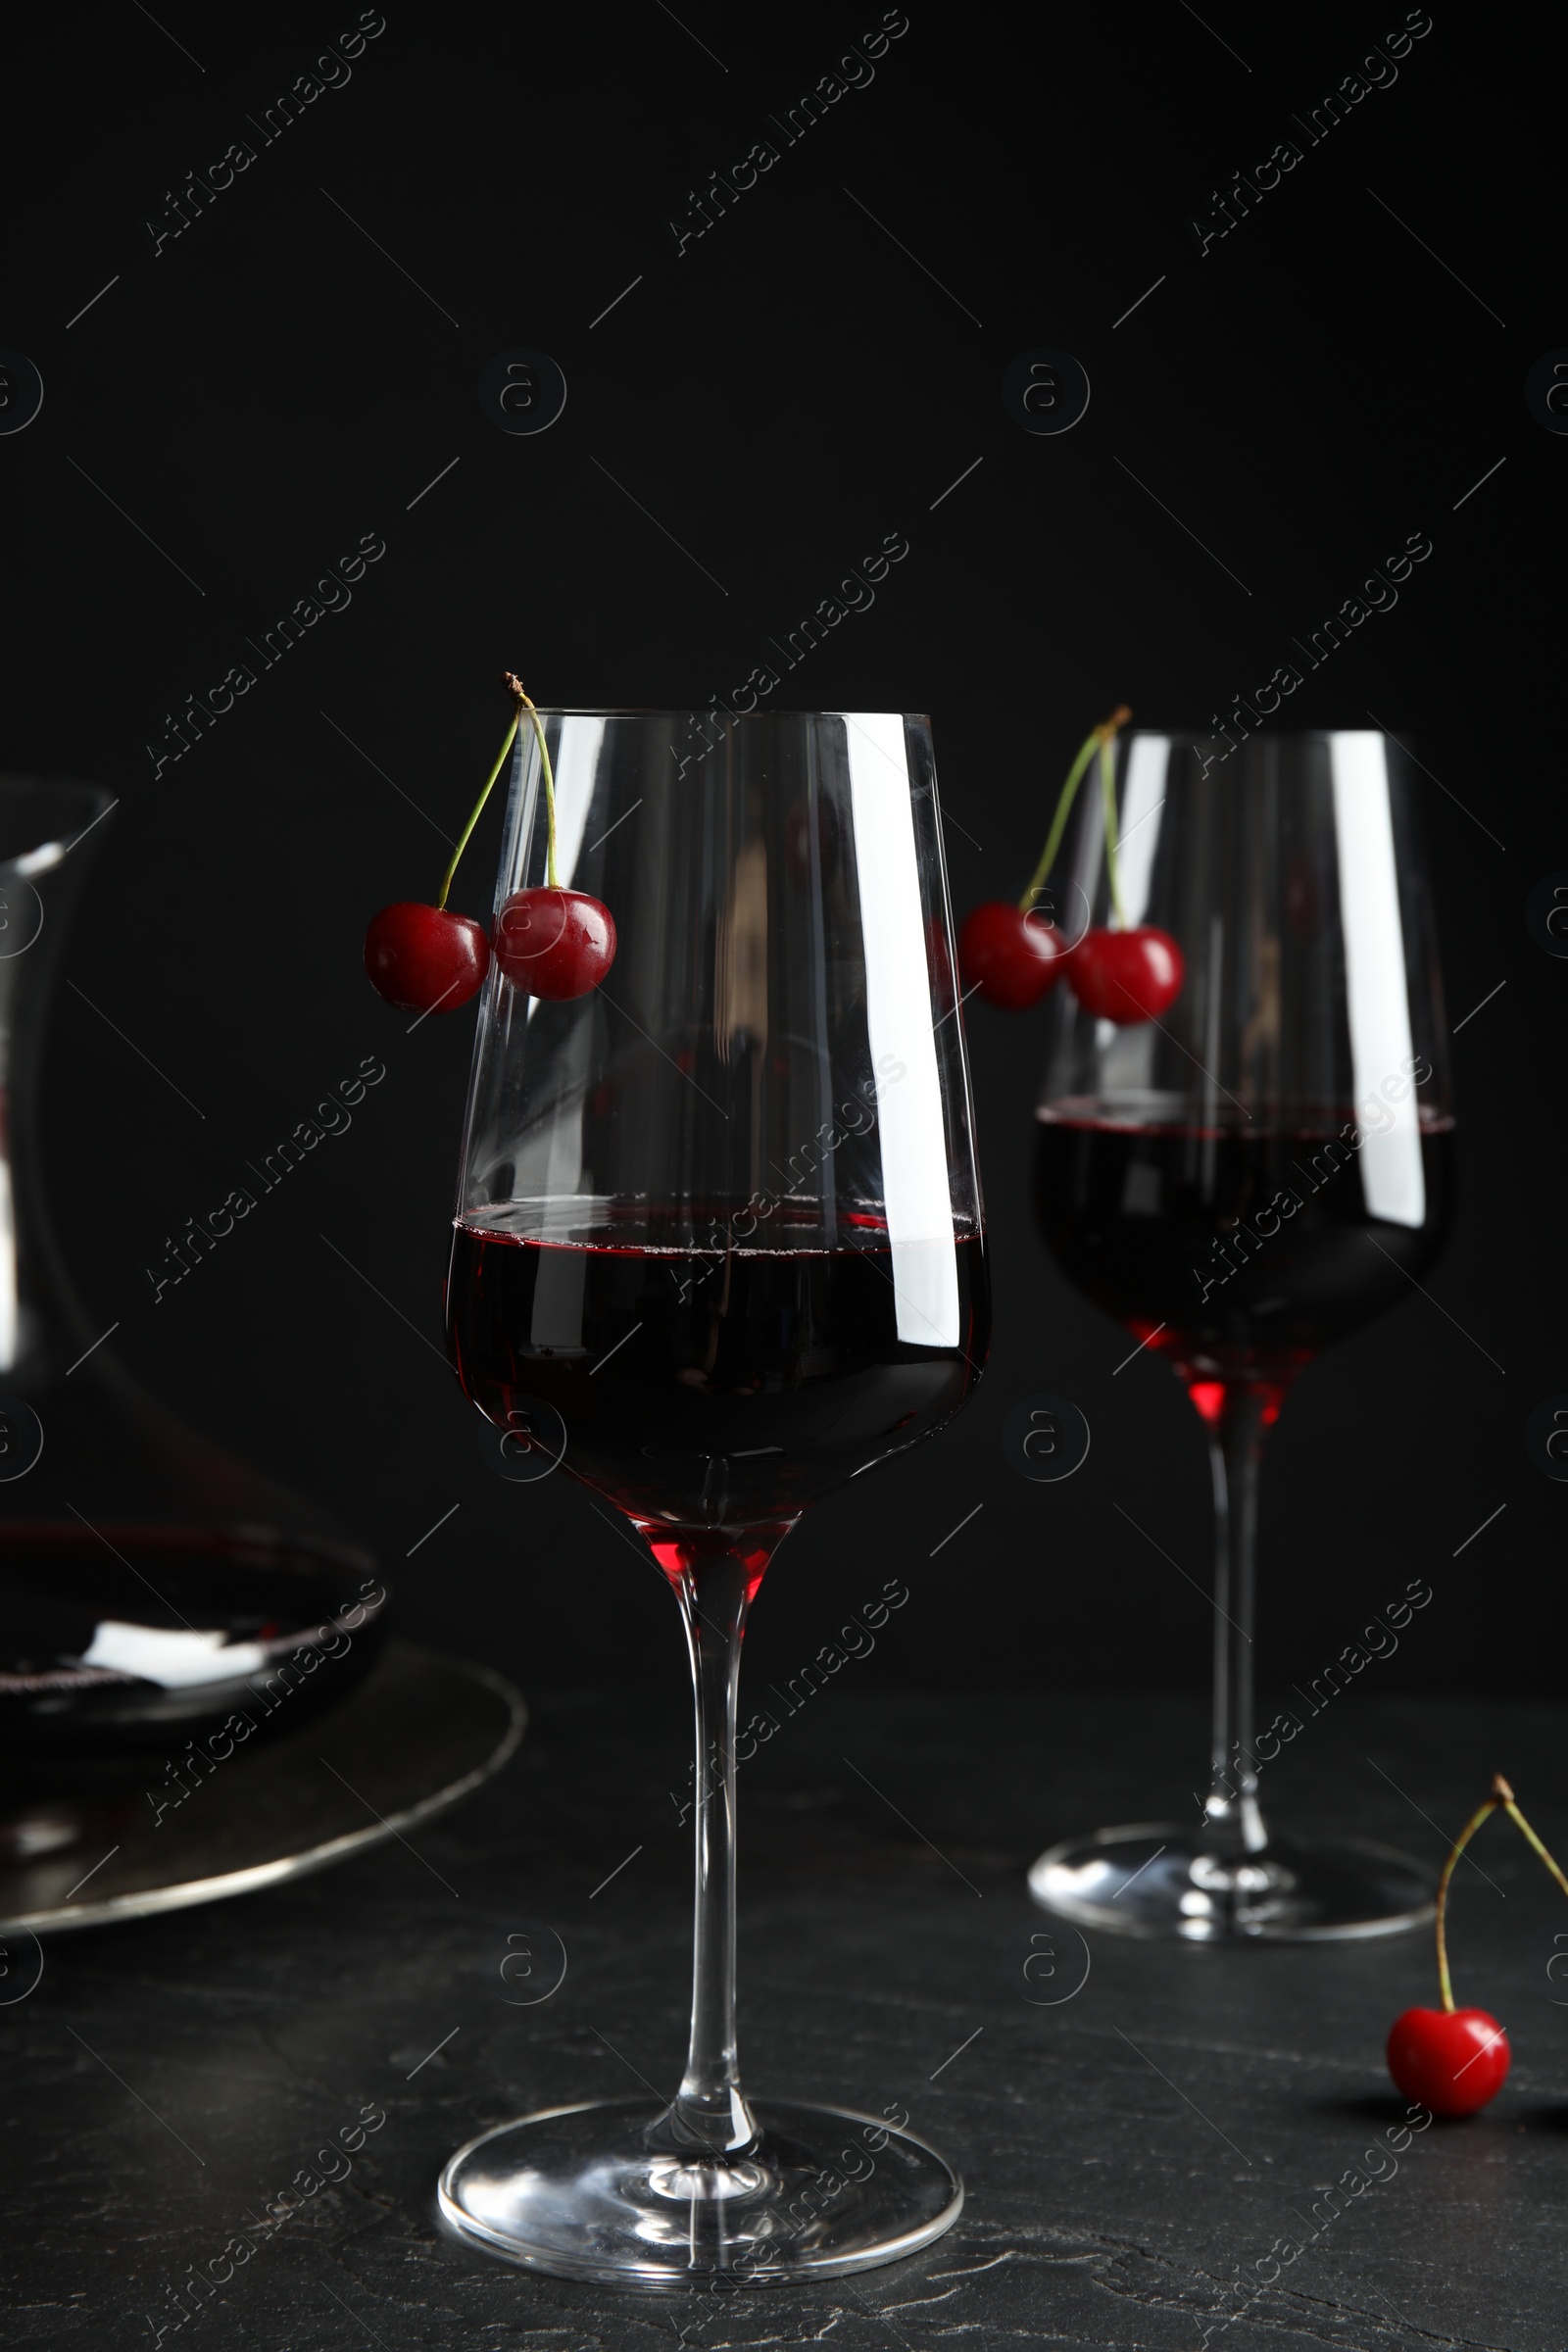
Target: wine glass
(1254, 1173)
(718, 1249)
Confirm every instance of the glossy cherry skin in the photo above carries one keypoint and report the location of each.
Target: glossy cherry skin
(1010, 958)
(425, 958)
(554, 943)
(1452, 2061)
(1127, 976)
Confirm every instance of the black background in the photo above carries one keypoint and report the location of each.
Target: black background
(792, 388)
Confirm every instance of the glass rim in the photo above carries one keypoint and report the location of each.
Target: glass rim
(709, 710)
(1187, 738)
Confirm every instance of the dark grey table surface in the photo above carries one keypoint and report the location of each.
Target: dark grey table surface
(1131, 2154)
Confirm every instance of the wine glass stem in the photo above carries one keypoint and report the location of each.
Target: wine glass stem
(709, 2108)
(1236, 1455)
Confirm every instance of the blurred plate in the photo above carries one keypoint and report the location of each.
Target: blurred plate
(419, 1731)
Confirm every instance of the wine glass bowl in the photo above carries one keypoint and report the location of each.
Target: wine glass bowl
(1243, 1181)
(719, 1245)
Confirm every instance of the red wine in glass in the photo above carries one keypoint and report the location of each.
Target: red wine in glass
(708, 1390)
(1239, 1256)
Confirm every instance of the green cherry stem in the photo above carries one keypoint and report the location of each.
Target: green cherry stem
(1069, 793)
(1505, 1795)
(1501, 1796)
(552, 881)
(478, 809)
(1107, 794)
(522, 704)
(1445, 1982)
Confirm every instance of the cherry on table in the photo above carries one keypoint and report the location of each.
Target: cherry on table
(1127, 976)
(425, 958)
(1450, 2060)
(1009, 956)
(554, 943)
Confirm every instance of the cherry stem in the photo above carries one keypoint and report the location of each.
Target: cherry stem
(1107, 794)
(552, 881)
(1523, 1825)
(1106, 733)
(515, 687)
(1445, 1982)
(479, 807)
(1501, 1796)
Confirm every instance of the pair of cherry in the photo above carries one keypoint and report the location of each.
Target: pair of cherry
(1013, 957)
(550, 942)
(1132, 973)
(1452, 2060)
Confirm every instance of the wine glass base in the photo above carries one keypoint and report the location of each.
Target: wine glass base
(1155, 1878)
(588, 2192)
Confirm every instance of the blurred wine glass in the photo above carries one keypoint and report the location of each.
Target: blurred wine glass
(1254, 1175)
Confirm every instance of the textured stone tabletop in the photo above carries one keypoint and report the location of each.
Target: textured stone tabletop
(1149, 2162)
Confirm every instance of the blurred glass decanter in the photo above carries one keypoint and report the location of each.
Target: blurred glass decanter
(150, 1583)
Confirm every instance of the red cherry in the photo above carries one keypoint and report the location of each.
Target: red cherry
(1127, 976)
(1009, 956)
(1452, 2061)
(425, 958)
(554, 943)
